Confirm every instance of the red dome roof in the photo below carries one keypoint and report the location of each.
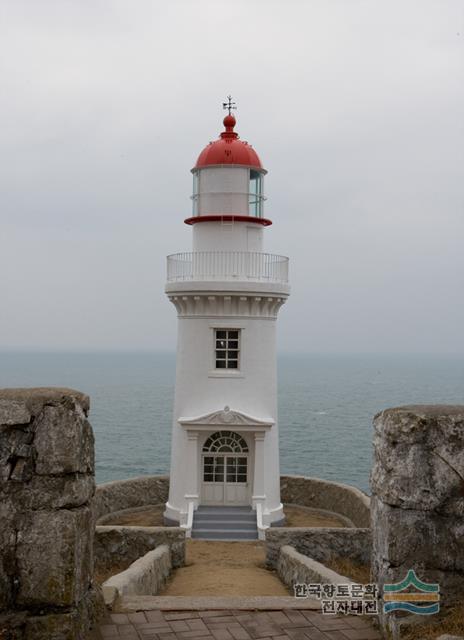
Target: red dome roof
(228, 149)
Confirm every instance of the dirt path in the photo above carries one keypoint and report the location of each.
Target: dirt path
(224, 569)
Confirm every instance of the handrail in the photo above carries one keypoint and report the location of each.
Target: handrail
(259, 521)
(252, 266)
(189, 523)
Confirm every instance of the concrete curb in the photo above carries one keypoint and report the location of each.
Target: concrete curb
(209, 603)
(146, 575)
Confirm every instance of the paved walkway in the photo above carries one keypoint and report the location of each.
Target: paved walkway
(236, 625)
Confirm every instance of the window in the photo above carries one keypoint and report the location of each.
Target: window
(225, 442)
(213, 469)
(225, 458)
(255, 196)
(227, 348)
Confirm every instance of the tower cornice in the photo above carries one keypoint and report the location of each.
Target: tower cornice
(224, 305)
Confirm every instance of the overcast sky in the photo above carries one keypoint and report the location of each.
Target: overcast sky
(356, 108)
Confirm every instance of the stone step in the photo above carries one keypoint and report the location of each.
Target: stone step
(228, 517)
(223, 507)
(225, 534)
(230, 525)
(221, 603)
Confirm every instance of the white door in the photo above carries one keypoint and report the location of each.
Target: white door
(225, 471)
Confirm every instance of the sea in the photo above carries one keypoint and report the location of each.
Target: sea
(326, 404)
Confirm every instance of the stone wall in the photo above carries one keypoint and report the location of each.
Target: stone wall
(348, 501)
(296, 568)
(321, 544)
(47, 528)
(120, 546)
(417, 483)
(146, 576)
(331, 496)
(131, 493)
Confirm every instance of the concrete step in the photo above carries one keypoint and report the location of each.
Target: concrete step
(224, 523)
(225, 534)
(230, 525)
(224, 507)
(226, 516)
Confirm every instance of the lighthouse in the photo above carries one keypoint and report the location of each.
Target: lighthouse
(227, 292)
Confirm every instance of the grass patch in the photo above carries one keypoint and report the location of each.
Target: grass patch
(450, 621)
(356, 571)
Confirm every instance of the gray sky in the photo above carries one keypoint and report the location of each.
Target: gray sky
(355, 107)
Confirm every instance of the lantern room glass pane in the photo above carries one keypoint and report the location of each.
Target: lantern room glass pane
(255, 195)
(195, 194)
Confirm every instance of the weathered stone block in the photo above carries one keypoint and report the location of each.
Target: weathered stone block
(419, 457)
(407, 536)
(54, 557)
(13, 412)
(418, 504)
(63, 440)
(7, 555)
(50, 492)
(30, 401)
(68, 625)
(46, 519)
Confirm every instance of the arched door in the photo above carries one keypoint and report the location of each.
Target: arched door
(225, 469)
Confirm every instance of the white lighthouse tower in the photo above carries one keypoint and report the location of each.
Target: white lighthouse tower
(227, 293)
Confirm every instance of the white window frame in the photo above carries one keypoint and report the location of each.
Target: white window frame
(226, 369)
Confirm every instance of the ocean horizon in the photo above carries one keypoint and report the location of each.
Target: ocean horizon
(326, 404)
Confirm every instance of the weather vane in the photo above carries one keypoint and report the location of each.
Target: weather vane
(229, 104)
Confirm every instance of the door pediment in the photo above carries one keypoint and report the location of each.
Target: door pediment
(225, 416)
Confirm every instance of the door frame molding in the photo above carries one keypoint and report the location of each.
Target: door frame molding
(231, 420)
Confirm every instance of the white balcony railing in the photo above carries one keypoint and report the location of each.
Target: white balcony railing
(228, 266)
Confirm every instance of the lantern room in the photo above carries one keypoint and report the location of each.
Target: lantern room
(228, 181)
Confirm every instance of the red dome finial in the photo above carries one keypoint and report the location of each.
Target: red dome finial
(229, 123)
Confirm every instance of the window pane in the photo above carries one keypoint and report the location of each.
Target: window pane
(221, 334)
(233, 364)
(221, 355)
(208, 477)
(233, 344)
(241, 478)
(233, 335)
(221, 344)
(220, 364)
(219, 472)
